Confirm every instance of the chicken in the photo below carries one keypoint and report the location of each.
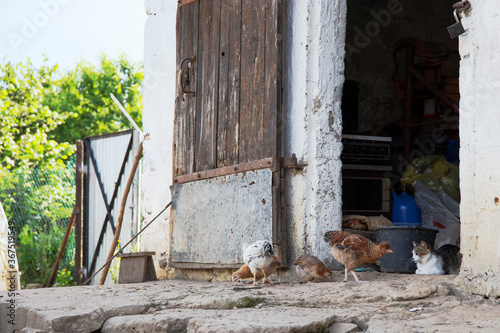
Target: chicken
(309, 267)
(353, 250)
(245, 273)
(258, 256)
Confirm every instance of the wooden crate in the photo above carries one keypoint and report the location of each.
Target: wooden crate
(136, 267)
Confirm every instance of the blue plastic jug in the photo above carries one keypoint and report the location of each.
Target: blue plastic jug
(405, 211)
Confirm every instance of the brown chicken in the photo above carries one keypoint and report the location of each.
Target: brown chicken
(245, 273)
(309, 267)
(353, 250)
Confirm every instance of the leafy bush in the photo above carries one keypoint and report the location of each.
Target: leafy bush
(42, 113)
(39, 204)
(65, 278)
(38, 251)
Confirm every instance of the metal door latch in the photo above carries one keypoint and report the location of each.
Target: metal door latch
(461, 5)
(457, 28)
(183, 78)
(291, 163)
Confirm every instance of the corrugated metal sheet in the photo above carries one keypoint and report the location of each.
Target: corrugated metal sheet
(109, 152)
(214, 217)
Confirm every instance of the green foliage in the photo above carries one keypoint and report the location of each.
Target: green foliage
(114, 270)
(37, 197)
(83, 99)
(38, 250)
(25, 120)
(65, 278)
(43, 111)
(39, 203)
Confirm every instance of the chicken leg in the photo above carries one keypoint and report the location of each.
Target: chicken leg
(265, 277)
(355, 277)
(254, 279)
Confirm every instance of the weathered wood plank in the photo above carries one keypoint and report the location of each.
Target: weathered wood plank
(185, 109)
(185, 2)
(227, 170)
(272, 117)
(135, 254)
(193, 265)
(272, 77)
(252, 80)
(229, 83)
(223, 108)
(207, 85)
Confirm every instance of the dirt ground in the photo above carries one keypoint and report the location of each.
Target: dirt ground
(388, 303)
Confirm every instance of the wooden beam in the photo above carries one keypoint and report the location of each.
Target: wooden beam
(185, 2)
(194, 265)
(224, 171)
(435, 90)
(408, 104)
(61, 250)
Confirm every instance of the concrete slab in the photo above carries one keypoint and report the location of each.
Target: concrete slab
(390, 302)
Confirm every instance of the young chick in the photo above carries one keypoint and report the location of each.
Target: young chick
(309, 267)
(245, 273)
(259, 256)
(353, 250)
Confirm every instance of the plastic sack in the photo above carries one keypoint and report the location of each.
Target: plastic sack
(439, 212)
(436, 173)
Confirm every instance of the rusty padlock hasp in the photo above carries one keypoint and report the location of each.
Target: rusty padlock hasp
(180, 81)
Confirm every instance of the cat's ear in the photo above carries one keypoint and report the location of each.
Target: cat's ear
(414, 244)
(424, 244)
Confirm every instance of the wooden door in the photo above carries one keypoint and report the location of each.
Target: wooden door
(228, 106)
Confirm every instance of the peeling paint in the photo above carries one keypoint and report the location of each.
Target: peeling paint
(331, 121)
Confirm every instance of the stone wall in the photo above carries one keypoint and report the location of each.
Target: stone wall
(479, 152)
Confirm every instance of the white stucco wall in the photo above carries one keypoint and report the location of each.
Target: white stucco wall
(313, 79)
(479, 151)
(314, 37)
(158, 122)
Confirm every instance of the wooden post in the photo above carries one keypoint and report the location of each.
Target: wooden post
(408, 102)
(137, 158)
(77, 274)
(61, 250)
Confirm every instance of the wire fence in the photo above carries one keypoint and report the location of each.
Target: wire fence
(39, 204)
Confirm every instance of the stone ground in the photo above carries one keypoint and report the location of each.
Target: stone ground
(388, 303)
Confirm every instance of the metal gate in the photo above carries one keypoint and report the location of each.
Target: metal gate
(227, 138)
(108, 161)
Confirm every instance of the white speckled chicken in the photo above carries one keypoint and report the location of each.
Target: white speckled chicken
(245, 273)
(258, 256)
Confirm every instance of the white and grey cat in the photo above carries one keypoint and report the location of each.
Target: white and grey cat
(445, 260)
